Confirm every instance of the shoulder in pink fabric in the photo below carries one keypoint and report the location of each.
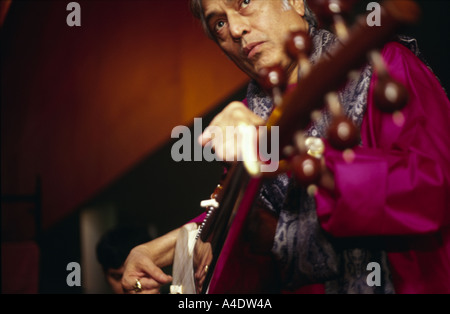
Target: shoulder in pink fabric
(397, 185)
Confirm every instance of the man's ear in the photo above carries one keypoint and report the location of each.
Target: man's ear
(298, 6)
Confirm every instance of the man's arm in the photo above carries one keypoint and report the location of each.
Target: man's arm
(398, 182)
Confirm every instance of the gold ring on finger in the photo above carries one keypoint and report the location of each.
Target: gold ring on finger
(137, 286)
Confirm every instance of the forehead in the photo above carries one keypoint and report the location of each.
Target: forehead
(211, 6)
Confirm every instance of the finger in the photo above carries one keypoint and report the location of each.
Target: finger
(201, 282)
(203, 269)
(128, 283)
(209, 258)
(152, 291)
(157, 274)
(156, 290)
(199, 273)
(149, 284)
(209, 133)
(204, 138)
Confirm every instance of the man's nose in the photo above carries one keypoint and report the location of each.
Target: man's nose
(239, 26)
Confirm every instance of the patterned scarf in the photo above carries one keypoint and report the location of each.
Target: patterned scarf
(305, 252)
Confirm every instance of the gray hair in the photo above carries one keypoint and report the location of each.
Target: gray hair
(197, 11)
(309, 15)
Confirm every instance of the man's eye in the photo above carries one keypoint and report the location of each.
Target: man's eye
(245, 3)
(219, 25)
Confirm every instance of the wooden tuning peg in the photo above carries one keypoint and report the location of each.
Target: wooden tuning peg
(273, 79)
(299, 46)
(333, 12)
(305, 163)
(389, 94)
(342, 133)
(306, 168)
(298, 43)
(325, 10)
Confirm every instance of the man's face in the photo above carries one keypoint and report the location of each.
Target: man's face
(252, 32)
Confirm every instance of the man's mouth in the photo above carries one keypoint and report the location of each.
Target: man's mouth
(252, 49)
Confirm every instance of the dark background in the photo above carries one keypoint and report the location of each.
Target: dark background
(155, 189)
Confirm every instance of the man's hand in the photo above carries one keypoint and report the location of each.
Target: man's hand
(235, 114)
(140, 266)
(144, 264)
(202, 259)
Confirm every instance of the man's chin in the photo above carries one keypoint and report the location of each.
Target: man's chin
(265, 60)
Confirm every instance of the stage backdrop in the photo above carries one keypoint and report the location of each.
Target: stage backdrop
(81, 105)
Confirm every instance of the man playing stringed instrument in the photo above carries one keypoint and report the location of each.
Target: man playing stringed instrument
(384, 203)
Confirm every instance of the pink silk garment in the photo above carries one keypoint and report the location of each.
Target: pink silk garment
(396, 186)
